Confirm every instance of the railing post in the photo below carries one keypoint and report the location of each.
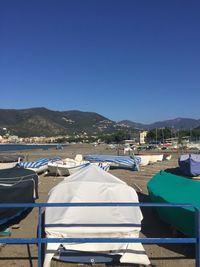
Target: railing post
(197, 224)
(39, 236)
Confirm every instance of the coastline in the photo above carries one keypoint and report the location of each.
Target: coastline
(9, 147)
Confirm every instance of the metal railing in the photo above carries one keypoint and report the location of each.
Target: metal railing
(39, 240)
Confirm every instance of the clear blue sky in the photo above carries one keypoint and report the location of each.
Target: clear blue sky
(125, 59)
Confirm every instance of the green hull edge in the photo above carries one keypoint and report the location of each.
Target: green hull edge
(165, 187)
(6, 232)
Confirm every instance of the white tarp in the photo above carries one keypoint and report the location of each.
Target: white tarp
(92, 184)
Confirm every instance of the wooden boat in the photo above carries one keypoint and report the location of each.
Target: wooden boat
(149, 158)
(66, 166)
(190, 164)
(165, 187)
(144, 159)
(17, 185)
(92, 185)
(155, 157)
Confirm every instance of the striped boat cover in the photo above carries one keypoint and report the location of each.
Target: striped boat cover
(38, 163)
(103, 166)
(122, 161)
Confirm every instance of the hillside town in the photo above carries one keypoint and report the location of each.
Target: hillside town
(8, 138)
(139, 142)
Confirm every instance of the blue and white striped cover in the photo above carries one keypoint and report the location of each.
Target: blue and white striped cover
(121, 161)
(103, 166)
(37, 163)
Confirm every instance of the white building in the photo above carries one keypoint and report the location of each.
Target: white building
(143, 135)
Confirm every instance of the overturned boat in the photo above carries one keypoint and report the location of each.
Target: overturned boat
(166, 187)
(69, 166)
(146, 159)
(38, 165)
(190, 164)
(66, 166)
(17, 185)
(127, 162)
(9, 161)
(93, 185)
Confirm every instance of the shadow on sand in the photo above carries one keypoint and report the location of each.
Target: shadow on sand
(175, 171)
(153, 227)
(16, 220)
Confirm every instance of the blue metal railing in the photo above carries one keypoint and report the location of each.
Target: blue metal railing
(39, 240)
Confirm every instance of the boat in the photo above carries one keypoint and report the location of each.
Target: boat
(103, 165)
(166, 187)
(17, 185)
(9, 161)
(93, 185)
(149, 158)
(167, 156)
(69, 166)
(155, 158)
(193, 145)
(189, 164)
(127, 162)
(144, 159)
(39, 165)
(66, 166)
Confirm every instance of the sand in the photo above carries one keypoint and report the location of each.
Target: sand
(159, 255)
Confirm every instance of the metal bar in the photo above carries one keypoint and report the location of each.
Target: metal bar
(123, 240)
(19, 240)
(39, 236)
(99, 240)
(98, 204)
(197, 224)
(92, 225)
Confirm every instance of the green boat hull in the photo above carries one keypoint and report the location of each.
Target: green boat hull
(165, 187)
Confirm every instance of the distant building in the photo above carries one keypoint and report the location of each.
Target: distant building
(13, 139)
(143, 135)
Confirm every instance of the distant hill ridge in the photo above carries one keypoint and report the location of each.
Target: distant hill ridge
(44, 122)
(178, 123)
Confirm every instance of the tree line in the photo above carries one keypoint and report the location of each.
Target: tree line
(161, 134)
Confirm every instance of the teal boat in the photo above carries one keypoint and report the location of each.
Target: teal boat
(166, 187)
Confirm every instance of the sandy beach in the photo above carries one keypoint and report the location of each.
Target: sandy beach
(159, 255)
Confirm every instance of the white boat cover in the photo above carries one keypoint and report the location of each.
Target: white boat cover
(90, 185)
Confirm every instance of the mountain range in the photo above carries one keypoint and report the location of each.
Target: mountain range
(45, 122)
(178, 123)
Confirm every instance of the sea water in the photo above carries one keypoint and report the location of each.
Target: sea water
(16, 147)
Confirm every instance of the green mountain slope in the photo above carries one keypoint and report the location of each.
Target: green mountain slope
(44, 122)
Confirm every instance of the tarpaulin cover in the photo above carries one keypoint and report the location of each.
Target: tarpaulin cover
(92, 184)
(190, 164)
(116, 161)
(17, 185)
(165, 187)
